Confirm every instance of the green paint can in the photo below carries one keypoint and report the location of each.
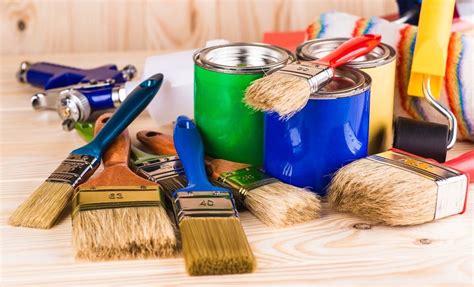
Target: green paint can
(230, 130)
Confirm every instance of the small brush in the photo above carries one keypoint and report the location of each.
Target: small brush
(119, 215)
(288, 90)
(43, 207)
(397, 188)
(213, 239)
(273, 202)
(164, 170)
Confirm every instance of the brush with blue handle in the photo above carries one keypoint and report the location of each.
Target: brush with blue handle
(43, 207)
(213, 239)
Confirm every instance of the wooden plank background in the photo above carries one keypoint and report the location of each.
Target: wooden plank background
(52, 26)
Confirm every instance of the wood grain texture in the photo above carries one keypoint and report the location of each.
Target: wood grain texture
(35, 26)
(334, 250)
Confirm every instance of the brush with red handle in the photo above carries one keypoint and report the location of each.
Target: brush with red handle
(288, 90)
(398, 188)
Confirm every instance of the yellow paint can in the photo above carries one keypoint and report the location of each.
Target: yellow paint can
(380, 65)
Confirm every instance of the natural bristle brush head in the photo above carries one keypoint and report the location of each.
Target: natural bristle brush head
(52, 197)
(396, 188)
(383, 194)
(265, 93)
(137, 233)
(119, 215)
(279, 204)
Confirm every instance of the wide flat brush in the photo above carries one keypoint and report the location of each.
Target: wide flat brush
(119, 215)
(273, 202)
(288, 90)
(397, 188)
(43, 207)
(213, 239)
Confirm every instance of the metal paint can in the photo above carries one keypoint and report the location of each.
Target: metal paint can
(331, 131)
(230, 130)
(380, 65)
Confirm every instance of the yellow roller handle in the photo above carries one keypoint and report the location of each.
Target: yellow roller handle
(431, 48)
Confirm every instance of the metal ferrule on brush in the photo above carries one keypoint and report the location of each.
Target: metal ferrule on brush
(451, 184)
(103, 197)
(242, 181)
(74, 169)
(203, 204)
(316, 75)
(160, 169)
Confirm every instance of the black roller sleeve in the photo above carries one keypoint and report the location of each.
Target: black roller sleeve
(425, 139)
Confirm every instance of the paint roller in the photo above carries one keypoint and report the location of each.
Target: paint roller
(427, 139)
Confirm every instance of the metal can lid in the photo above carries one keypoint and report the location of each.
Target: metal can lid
(243, 58)
(346, 82)
(318, 48)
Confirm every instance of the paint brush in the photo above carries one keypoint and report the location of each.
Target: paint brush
(398, 188)
(288, 90)
(43, 207)
(119, 215)
(213, 239)
(273, 202)
(164, 170)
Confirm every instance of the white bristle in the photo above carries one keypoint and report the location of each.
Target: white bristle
(279, 92)
(279, 204)
(383, 193)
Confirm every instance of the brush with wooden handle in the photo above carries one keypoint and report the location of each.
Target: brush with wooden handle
(43, 207)
(214, 241)
(273, 202)
(398, 188)
(119, 215)
(288, 90)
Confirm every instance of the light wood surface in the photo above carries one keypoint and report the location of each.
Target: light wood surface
(39, 26)
(337, 249)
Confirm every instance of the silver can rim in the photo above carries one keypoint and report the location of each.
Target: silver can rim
(389, 53)
(362, 83)
(268, 68)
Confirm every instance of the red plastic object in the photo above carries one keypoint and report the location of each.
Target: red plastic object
(464, 163)
(288, 40)
(349, 50)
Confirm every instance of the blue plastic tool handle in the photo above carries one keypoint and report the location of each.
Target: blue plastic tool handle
(51, 76)
(133, 105)
(188, 144)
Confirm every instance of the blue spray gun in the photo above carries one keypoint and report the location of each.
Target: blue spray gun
(78, 95)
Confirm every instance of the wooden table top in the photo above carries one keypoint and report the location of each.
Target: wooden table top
(335, 249)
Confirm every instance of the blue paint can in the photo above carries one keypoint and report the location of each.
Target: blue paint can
(331, 131)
